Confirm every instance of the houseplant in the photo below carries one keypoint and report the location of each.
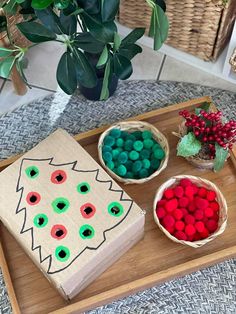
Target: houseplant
(95, 56)
(206, 137)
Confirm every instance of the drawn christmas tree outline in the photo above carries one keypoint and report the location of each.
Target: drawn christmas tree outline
(31, 229)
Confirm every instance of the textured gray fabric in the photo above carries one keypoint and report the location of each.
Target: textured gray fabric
(212, 290)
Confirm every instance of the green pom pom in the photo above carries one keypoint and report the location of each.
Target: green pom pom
(147, 135)
(124, 135)
(155, 163)
(159, 154)
(137, 166)
(119, 142)
(145, 154)
(143, 173)
(148, 143)
(109, 141)
(129, 175)
(128, 145)
(123, 157)
(110, 165)
(121, 170)
(146, 163)
(115, 153)
(138, 135)
(115, 133)
(107, 156)
(138, 146)
(133, 155)
(156, 146)
(129, 165)
(131, 137)
(106, 148)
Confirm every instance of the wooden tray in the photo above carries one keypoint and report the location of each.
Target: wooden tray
(153, 260)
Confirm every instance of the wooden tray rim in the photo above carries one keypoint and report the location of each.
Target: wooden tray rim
(147, 281)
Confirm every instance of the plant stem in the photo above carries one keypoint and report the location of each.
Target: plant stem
(80, 24)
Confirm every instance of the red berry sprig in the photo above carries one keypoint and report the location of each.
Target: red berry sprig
(209, 129)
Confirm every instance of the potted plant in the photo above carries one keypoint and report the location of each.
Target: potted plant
(206, 137)
(95, 56)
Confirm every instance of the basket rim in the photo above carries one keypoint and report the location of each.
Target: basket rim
(172, 180)
(133, 125)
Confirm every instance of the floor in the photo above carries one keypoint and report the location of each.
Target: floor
(148, 65)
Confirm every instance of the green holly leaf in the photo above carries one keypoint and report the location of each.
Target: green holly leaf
(221, 156)
(204, 106)
(188, 146)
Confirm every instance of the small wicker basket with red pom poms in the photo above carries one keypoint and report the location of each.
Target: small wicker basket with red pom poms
(199, 183)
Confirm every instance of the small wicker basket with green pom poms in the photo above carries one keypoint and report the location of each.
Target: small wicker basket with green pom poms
(133, 152)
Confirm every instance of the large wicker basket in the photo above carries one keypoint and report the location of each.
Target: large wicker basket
(199, 27)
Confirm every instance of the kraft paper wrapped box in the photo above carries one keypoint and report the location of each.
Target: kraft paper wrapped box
(68, 215)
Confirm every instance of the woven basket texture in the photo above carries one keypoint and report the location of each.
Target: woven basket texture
(223, 216)
(131, 126)
(199, 27)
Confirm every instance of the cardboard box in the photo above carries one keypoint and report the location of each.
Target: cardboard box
(67, 213)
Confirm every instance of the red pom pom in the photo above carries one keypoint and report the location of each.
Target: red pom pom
(199, 225)
(211, 195)
(171, 205)
(179, 225)
(171, 230)
(169, 194)
(189, 219)
(215, 216)
(195, 189)
(197, 237)
(179, 191)
(192, 206)
(183, 202)
(201, 203)
(204, 234)
(202, 192)
(215, 206)
(177, 213)
(160, 211)
(190, 230)
(184, 211)
(185, 182)
(189, 192)
(168, 221)
(199, 214)
(208, 212)
(211, 225)
(161, 203)
(180, 235)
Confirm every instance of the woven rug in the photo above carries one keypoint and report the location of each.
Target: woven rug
(212, 290)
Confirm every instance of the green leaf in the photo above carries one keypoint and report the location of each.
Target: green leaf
(220, 157)
(117, 42)
(103, 57)
(41, 4)
(159, 27)
(122, 67)
(11, 7)
(103, 32)
(105, 84)
(90, 6)
(109, 9)
(132, 37)
(61, 4)
(4, 52)
(50, 20)
(85, 72)
(69, 23)
(130, 51)
(161, 4)
(205, 106)
(6, 66)
(66, 74)
(87, 42)
(36, 32)
(188, 146)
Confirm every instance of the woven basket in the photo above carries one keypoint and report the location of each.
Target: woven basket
(201, 183)
(199, 27)
(232, 61)
(136, 126)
